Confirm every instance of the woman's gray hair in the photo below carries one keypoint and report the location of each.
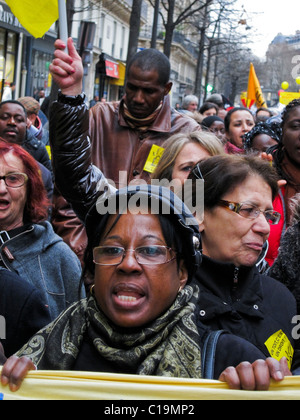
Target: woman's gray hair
(188, 99)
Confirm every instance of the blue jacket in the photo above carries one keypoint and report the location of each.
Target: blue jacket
(41, 257)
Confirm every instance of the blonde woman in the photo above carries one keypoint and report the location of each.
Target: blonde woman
(183, 151)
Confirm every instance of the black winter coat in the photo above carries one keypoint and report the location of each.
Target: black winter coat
(23, 308)
(245, 303)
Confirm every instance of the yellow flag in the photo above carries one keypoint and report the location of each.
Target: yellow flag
(254, 93)
(36, 16)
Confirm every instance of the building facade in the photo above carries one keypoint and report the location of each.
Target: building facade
(101, 29)
(23, 60)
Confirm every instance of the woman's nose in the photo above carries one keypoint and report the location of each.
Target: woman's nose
(3, 187)
(261, 225)
(129, 263)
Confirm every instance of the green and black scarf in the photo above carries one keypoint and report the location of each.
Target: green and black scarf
(169, 346)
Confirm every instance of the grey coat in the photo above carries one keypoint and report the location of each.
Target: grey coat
(41, 257)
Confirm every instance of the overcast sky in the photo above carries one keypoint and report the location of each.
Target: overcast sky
(272, 17)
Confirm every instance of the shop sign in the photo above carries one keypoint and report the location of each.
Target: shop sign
(7, 17)
(112, 69)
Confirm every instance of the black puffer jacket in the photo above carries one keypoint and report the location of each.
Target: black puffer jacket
(245, 303)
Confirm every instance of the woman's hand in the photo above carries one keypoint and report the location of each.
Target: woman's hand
(269, 158)
(14, 371)
(255, 377)
(67, 69)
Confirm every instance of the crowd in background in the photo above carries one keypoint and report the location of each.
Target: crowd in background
(237, 269)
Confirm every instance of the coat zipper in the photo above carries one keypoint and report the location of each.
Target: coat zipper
(6, 243)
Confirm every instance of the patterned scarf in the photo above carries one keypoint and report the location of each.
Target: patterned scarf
(140, 124)
(169, 346)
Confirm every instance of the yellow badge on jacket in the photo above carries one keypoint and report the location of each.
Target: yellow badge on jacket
(279, 346)
(154, 157)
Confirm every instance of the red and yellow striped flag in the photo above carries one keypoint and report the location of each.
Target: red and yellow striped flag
(36, 16)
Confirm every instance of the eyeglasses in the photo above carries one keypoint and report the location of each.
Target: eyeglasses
(145, 255)
(251, 212)
(15, 180)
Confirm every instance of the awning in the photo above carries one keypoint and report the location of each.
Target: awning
(121, 80)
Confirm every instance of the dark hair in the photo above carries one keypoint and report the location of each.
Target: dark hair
(208, 105)
(227, 119)
(277, 151)
(222, 174)
(288, 109)
(151, 59)
(264, 109)
(272, 130)
(15, 103)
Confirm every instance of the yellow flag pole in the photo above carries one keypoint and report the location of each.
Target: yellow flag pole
(63, 23)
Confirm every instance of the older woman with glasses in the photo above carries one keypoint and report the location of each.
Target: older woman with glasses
(141, 316)
(28, 244)
(238, 211)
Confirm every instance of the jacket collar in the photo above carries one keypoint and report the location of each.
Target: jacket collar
(161, 124)
(226, 288)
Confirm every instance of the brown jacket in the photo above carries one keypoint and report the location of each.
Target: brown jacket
(83, 141)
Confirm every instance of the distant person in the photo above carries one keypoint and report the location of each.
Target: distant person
(262, 115)
(215, 125)
(94, 101)
(190, 104)
(238, 122)
(262, 137)
(208, 109)
(35, 125)
(8, 92)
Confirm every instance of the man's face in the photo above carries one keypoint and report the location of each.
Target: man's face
(144, 92)
(13, 123)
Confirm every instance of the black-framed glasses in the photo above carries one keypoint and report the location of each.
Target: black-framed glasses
(145, 255)
(249, 211)
(15, 180)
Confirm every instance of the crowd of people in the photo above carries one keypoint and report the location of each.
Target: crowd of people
(125, 289)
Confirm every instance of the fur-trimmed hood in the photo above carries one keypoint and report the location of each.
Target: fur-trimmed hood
(295, 205)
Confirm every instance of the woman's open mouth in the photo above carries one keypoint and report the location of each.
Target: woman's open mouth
(4, 205)
(128, 295)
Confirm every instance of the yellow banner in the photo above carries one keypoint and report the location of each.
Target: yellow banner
(287, 97)
(36, 17)
(50, 385)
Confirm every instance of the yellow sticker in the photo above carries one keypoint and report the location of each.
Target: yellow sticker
(154, 157)
(49, 151)
(279, 346)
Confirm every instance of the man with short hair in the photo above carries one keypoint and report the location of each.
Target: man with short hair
(13, 129)
(34, 122)
(122, 133)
